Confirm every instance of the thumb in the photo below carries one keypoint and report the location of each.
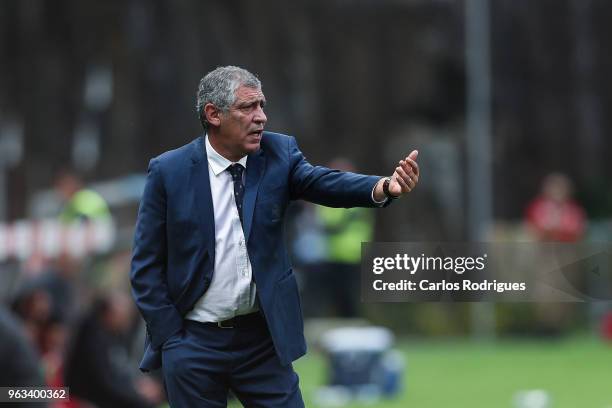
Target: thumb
(413, 155)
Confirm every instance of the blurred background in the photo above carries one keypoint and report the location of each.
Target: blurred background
(508, 102)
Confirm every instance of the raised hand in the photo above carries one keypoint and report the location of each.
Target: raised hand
(406, 175)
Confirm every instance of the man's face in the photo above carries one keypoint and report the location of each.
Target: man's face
(241, 126)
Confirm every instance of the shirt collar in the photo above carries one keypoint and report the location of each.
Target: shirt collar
(217, 162)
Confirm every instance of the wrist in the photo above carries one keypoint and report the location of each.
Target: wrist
(386, 182)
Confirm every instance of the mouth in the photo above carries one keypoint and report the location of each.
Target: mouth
(256, 133)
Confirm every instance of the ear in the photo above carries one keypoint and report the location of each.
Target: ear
(212, 114)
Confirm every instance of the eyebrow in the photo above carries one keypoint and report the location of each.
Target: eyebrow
(248, 102)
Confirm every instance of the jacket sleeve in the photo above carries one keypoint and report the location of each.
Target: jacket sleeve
(332, 188)
(149, 260)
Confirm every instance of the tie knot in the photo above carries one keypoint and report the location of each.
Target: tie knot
(236, 170)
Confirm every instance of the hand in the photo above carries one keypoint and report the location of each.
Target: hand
(150, 389)
(406, 175)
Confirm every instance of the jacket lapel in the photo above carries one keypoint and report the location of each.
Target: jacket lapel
(256, 163)
(202, 195)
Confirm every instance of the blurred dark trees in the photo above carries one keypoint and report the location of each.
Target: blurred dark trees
(345, 77)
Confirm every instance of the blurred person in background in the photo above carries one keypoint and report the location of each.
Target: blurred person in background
(80, 205)
(33, 305)
(210, 271)
(345, 229)
(46, 326)
(56, 285)
(79, 202)
(19, 359)
(97, 368)
(61, 278)
(553, 215)
(48, 303)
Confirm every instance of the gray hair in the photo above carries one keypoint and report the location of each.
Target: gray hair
(218, 87)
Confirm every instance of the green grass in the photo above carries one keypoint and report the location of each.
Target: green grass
(577, 373)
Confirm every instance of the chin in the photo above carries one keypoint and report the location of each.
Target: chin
(252, 147)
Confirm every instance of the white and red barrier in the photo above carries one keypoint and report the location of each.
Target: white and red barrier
(51, 238)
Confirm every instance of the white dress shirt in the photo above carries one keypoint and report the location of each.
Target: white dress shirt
(232, 290)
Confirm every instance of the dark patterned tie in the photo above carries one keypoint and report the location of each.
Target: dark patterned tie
(236, 170)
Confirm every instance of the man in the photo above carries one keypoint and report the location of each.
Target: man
(210, 272)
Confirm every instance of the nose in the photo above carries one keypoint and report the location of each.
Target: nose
(260, 117)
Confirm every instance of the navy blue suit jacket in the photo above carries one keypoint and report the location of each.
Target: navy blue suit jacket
(174, 243)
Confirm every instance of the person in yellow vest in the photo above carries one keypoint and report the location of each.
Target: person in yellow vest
(345, 229)
(79, 203)
(62, 276)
